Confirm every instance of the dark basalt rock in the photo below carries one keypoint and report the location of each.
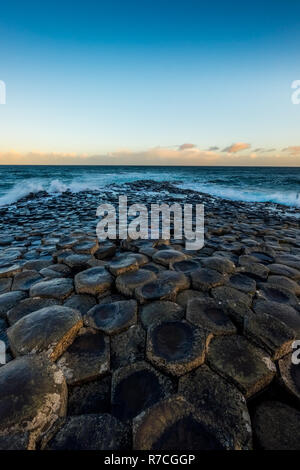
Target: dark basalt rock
(277, 426)
(33, 395)
(10, 271)
(25, 279)
(37, 264)
(77, 262)
(209, 315)
(288, 260)
(19, 441)
(205, 279)
(106, 250)
(242, 283)
(285, 282)
(126, 283)
(256, 271)
(81, 302)
(185, 266)
(128, 347)
(26, 306)
(221, 403)
(123, 265)
(174, 424)
(89, 398)
(277, 294)
(156, 290)
(137, 387)
(229, 295)
(92, 432)
(168, 257)
(290, 373)
(281, 311)
(9, 300)
(179, 280)
(55, 271)
(273, 336)
(184, 297)
(87, 247)
(241, 363)
(112, 318)
(218, 263)
(59, 289)
(93, 281)
(5, 285)
(176, 347)
(87, 358)
(160, 310)
(283, 270)
(51, 330)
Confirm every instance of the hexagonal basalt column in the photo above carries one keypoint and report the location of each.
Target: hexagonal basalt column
(290, 375)
(241, 363)
(209, 315)
(156, 290)
(112, 318)
(87, 358)
(136, 387)
(174, 424)
(167, 257)
(93, 281)
(126, 283)
(176, 347)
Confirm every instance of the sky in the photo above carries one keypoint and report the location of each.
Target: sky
(184, 82)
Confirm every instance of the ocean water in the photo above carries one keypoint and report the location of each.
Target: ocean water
(250, 184)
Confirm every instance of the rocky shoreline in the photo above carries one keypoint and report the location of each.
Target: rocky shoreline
(123, 345)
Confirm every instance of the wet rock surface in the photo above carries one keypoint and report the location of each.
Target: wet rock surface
(215, 326)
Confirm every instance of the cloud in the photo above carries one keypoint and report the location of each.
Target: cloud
(237, 147)
(186, 146)
(293, 150)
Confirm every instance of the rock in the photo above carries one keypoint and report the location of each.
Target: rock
(55, 271)
(205, 279)
(168, 257)
(90, 397)
(158, 311)
(241, 363)
(229, 295)
(242, 283)
(58, 289)
(26, 306)
(25, 279)
(290, 375)
(221, 403)
(126, 283)
(33, 395)
(282, 270)
(77, 262)
(185, 296)
(5, 285)
(128, 347)
(273, 336)
(174, 424)
(88, 247)
(283, 312)
(112, 318)
(155, 268)
(37, 264)
(19, 441)
(264, 254)
(123, 265)
(285, 282)
(92, 432)
(210, 316)
(257, 271)
(176, 347)
(135, 388)
(277, 426)
(288, 260)
(218, 263)
(9, 300)
(81, 302)
(106, 250)
(93, 281)
(87, 358)
(156, 290)
(51, 330)
(185, 266)
(277, 294)
(10, 271)
(179, 280)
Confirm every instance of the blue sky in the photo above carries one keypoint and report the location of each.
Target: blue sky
(134, 80)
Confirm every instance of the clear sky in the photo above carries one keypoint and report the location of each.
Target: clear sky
(150, 81)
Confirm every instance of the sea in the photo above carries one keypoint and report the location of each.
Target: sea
(250, 184)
